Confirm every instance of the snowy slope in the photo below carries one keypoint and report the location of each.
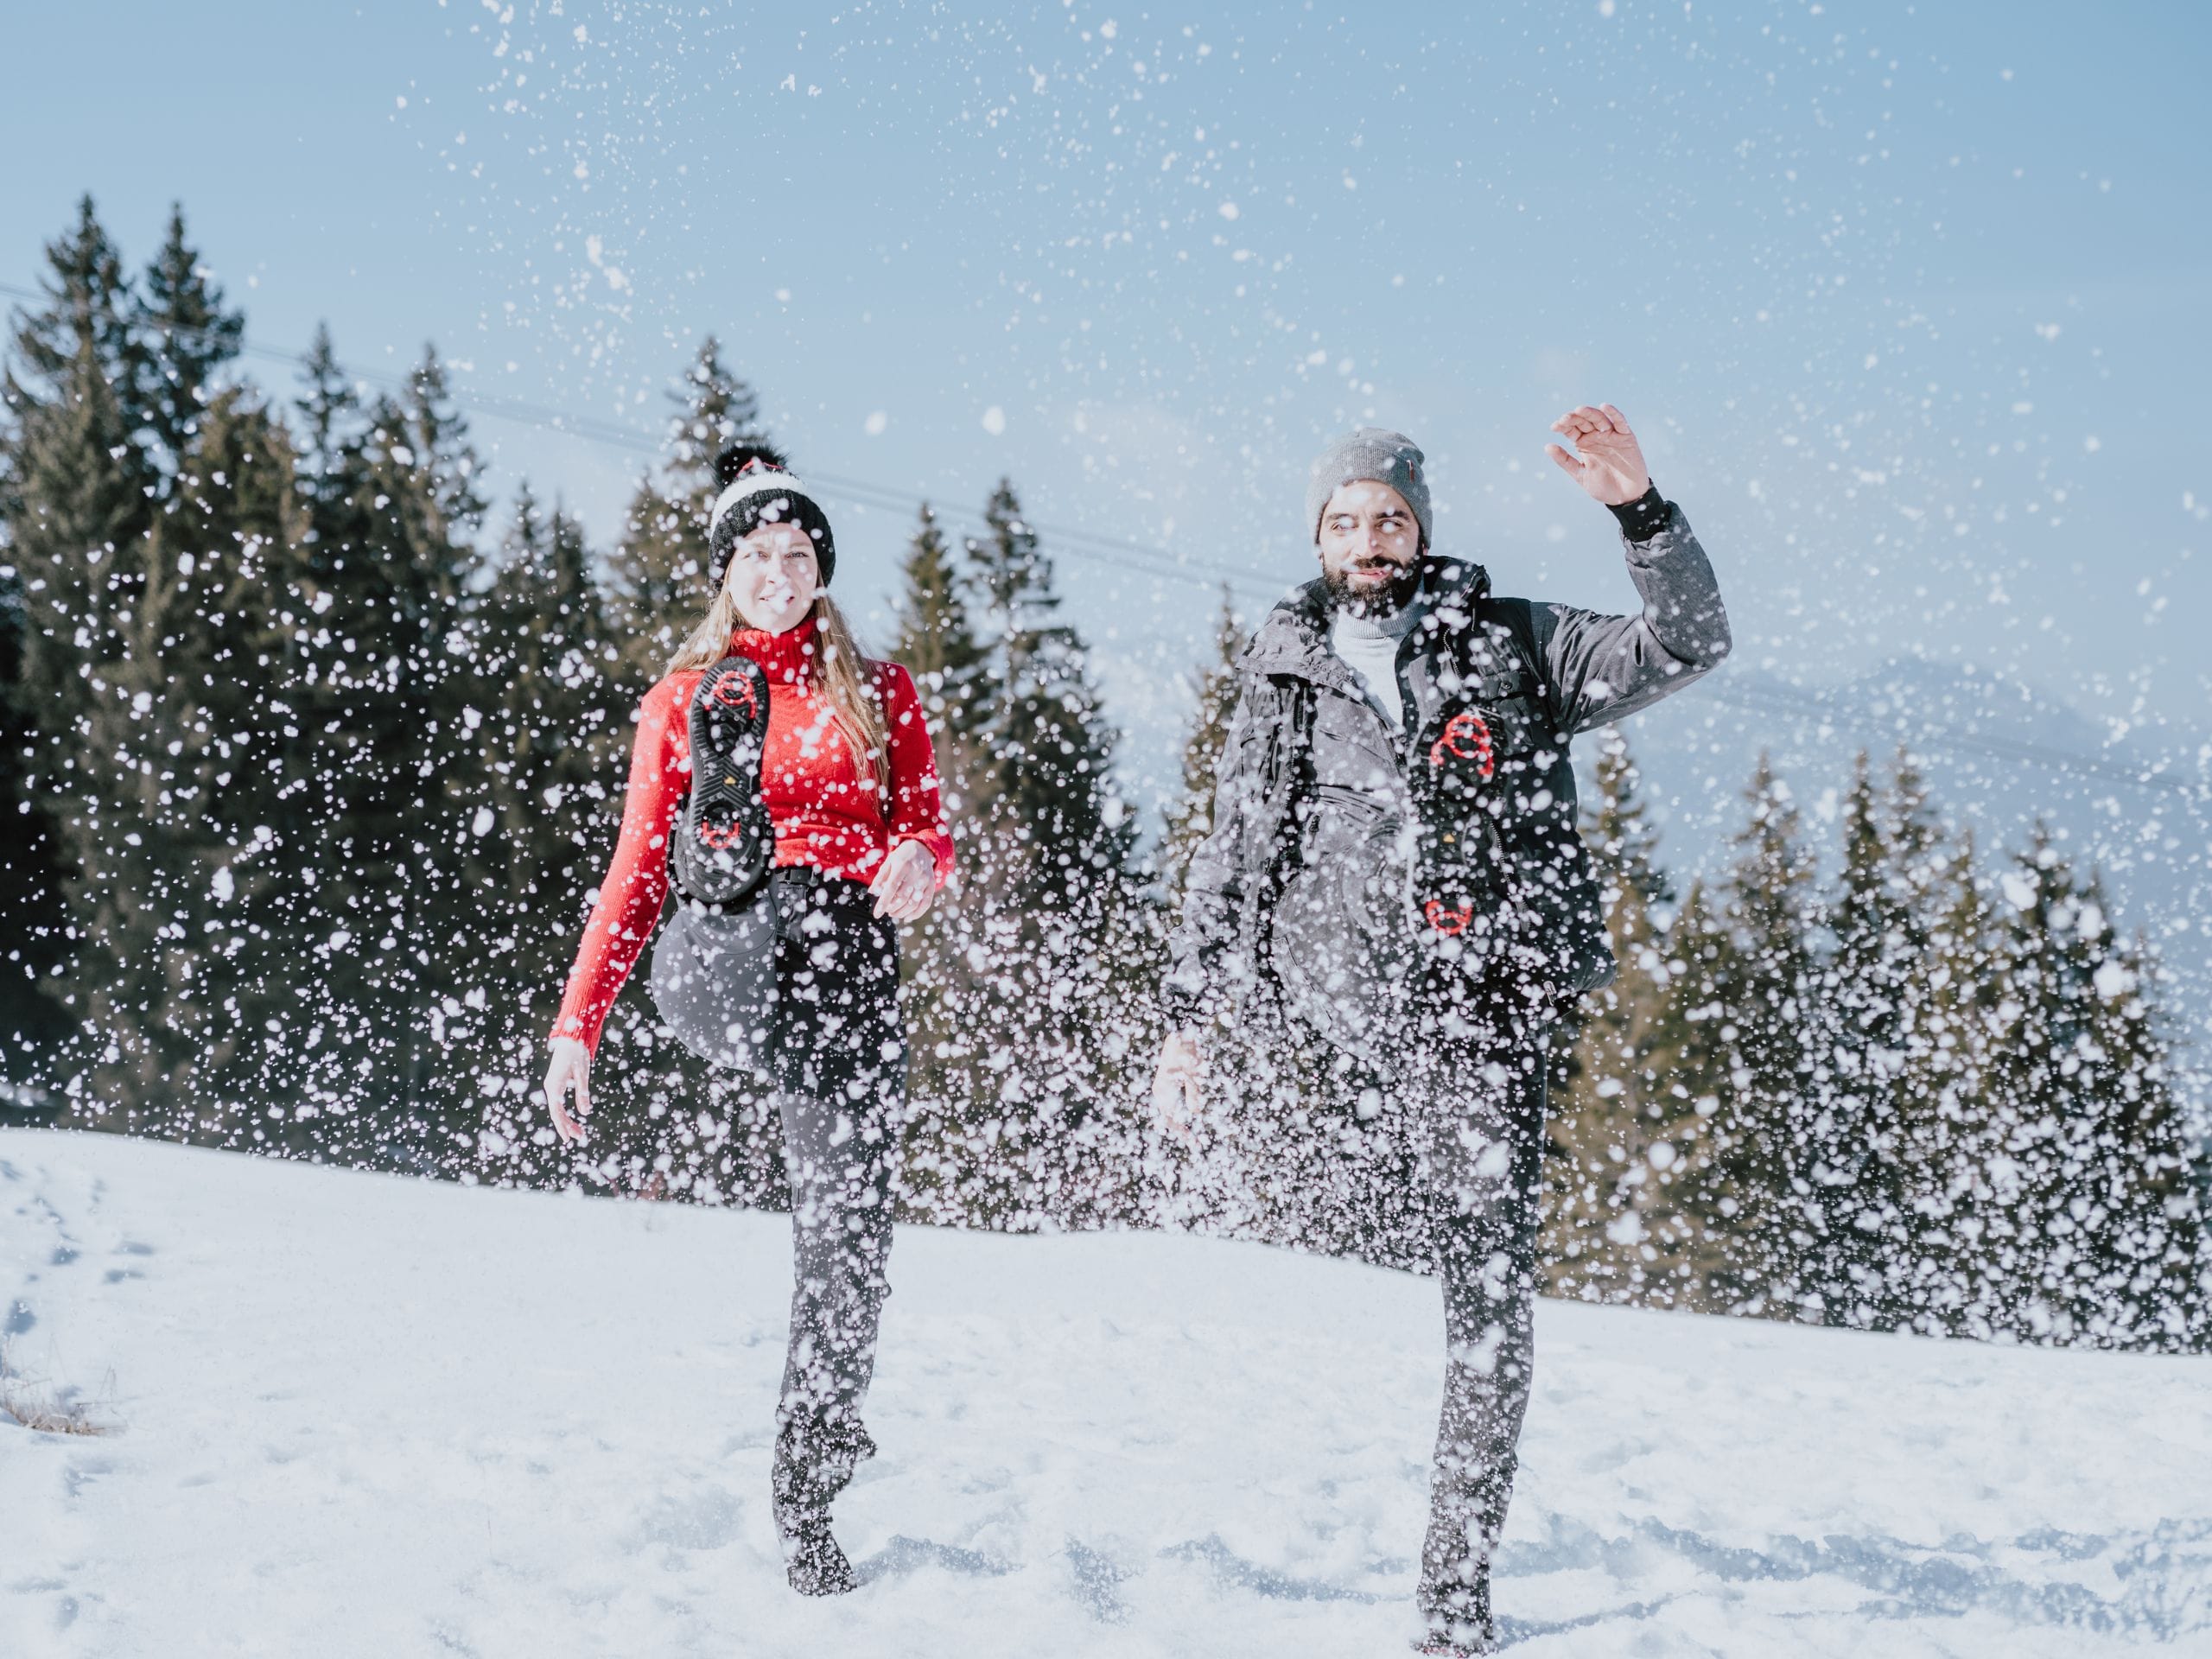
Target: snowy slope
(358, 1414)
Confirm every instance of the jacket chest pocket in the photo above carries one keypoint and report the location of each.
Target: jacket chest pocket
(1353, 748)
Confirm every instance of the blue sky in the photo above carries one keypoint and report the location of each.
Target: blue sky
(1907, 300)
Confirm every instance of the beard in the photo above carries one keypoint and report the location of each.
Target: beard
(1382, 600)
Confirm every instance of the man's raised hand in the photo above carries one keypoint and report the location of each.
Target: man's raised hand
(1609, 465)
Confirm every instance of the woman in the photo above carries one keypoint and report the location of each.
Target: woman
(790, 967)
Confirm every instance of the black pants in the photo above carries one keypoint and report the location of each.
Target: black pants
(1432, 1164)
(1483, 1103)
(835, 1051)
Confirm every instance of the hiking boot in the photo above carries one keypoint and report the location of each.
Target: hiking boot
(812, 1560)
(814, 1463)
(1461, 1628)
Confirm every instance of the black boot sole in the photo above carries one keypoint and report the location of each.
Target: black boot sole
(725, 836)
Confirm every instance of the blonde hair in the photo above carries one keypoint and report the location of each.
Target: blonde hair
(846, 678)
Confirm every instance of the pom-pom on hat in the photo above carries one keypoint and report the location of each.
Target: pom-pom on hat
(759, 488)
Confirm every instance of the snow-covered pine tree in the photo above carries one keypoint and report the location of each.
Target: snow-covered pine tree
(1767, 1257)
(1874, 1151)
(659, 566)
(1189, 816)
(232, 512)
(532, 786)
(1050, 842)
(1623, 1129)
(364, 695)
(2099, 1224)
(1952, 1135)
(1695, 1047)
(155, 891)
(944, 962)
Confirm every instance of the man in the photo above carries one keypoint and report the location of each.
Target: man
(1394, 902)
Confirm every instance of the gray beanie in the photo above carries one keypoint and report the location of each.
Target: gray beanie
(1372, 452)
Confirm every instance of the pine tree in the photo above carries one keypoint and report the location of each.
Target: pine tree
(1059, 825)
(1623, 1128)
(185, 336)
(356, 630)
(32, 1025)
(1719, 1252)
(945, 965)
(1770, 1254)
(188, 911)
(1214, 691)
(76, 488)
(1950, 1137)
(1904, 1196)
(658, 567)
(1052, 935)
(329, 415)
(2099, 1221)
(951, 666)
(537, 739)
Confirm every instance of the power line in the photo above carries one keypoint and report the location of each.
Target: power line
(1936, 737)
(1163, 563)
(1080, 543)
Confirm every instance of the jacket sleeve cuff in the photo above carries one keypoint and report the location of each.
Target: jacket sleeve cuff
(1645, 517)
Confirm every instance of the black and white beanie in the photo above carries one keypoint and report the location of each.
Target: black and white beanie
(759, 488)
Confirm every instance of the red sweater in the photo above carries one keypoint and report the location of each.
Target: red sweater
(826, 811)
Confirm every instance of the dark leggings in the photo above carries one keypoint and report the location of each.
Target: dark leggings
(1434, 1166)
(1482, 1169)
(838, 1055)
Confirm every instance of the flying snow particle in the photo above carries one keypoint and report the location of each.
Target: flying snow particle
(994, 420)
(1229, 210)
(2020, 890)
(223, 885)
(481, 824)
(876, 422)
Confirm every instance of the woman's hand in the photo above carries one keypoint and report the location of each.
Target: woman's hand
(906, 882)
(1179, 1082)
(571, 1064)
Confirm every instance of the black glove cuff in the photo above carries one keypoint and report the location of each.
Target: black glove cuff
(1645, 517)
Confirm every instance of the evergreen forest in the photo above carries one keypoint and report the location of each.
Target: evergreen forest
(309, 764)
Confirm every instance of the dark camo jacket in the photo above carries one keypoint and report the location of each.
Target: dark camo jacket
(1345, 855)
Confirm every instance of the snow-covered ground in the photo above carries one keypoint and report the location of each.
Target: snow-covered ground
(357, 1415)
